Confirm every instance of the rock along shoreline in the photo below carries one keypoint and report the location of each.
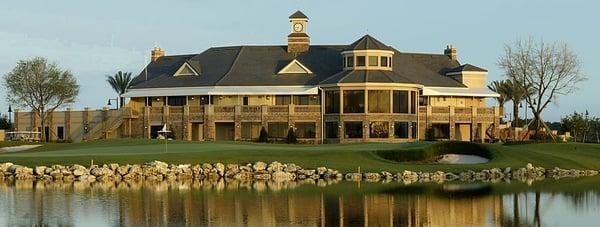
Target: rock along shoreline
(157, 171)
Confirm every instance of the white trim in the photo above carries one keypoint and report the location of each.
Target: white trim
(373, 85)
(185, 64)
(368, 51)
(296, 62)
(222, 90)
(466, 72)
(459, 91)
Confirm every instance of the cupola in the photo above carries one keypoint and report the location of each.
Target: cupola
(298, 39)
(368, 53)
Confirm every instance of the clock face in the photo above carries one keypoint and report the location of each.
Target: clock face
(298, 27)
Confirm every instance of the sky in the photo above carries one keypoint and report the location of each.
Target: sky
(93, 39)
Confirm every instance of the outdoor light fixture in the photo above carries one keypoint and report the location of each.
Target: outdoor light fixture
(109, 103)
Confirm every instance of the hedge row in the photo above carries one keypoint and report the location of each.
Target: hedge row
(430, 153)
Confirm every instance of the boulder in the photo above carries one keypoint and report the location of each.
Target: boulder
(40, 170)
(259, 166)
(353, 177)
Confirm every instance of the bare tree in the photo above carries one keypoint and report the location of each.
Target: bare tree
(549, 70)
(41, 86)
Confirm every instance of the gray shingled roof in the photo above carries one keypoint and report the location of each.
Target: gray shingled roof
(298, 15)
(258, 66)
(467, 67)
(367, 42)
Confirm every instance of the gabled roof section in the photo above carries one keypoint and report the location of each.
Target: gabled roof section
(186, 70)
(298, 15)
(367, 42)
(467, 68)
(295, 67)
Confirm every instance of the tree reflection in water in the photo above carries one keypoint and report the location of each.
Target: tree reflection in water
(222, 203)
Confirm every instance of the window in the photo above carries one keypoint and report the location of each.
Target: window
(177, 100)
(400, 101)
(401, 130)
(413, 102)
(390, 61)
(379, 129)
(384, 61)
(350, 61)
(373, 61)
(379, 101)
(441, 131)
(354, 101)
(245, 101)
(413, 128)
(282, 99)
(277, 129)
(250, 130)
(332, 101)
(331, 130)
(204, 100)
(353, 129)
(306, 130)
(423, 101)
(306, 100)
(360, 61)
(60, 132)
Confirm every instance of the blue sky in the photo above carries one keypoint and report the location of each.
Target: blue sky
(96, 38)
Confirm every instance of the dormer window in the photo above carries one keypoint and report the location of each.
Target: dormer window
(373, 61)
(295, 67)
(360, 61)
(384, 61)
(350, 61)
(367, 53)
(186, 70)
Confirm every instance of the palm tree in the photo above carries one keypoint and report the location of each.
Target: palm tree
(120, 83)
(516, 93)
(500, 87)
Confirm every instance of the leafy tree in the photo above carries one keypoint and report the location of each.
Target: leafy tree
(4, 124)
(291, 136)
(41, 86)
(550, 70)
(120, 82)
(263, 136)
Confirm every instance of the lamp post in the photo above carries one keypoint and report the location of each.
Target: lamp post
(116, 101)
(10, 117)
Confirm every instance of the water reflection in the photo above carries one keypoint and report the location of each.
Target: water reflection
(340, 204)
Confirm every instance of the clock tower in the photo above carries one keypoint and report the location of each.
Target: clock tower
(298, 40)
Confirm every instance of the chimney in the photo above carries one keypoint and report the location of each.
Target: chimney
(450, 51)
(157, 52)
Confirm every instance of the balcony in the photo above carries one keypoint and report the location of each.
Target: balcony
(197, 113)
(458, 114)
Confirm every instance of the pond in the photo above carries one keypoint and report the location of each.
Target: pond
(545, 203)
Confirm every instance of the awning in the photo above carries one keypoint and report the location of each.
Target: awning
(223, 90)
(459, 91)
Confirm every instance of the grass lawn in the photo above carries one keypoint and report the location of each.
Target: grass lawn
(345, 157)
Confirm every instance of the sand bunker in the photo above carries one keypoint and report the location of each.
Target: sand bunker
(17, 148)
(461, 159)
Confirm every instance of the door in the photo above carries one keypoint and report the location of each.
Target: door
(225, 131)
(245, 101)
(197, 133)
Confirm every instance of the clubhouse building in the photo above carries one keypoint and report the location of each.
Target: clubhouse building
(365, 91)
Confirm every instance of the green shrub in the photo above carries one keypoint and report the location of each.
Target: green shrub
(430, 134)
(430, 153)
(263, 137)
(291, 136)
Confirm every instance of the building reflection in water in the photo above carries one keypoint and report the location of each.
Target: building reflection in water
(203, 204)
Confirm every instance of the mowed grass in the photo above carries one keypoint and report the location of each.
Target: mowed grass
(345, 157)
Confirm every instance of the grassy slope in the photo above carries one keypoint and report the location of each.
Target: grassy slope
(346, 157)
